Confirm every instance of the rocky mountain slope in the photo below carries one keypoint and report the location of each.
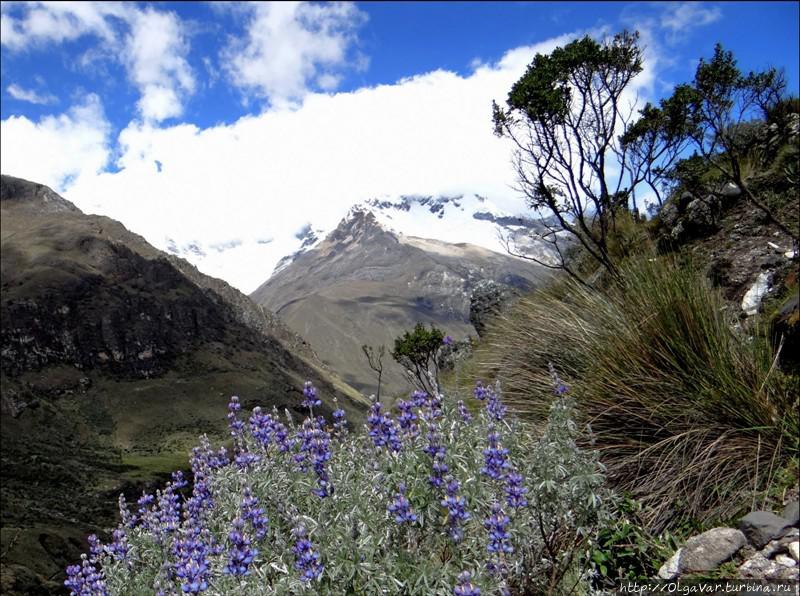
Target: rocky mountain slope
(366, 284)
(115, 357)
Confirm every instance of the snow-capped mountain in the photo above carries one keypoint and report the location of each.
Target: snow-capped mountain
(465, 218)
(247, 263)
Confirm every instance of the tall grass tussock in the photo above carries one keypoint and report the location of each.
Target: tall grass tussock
(691, 416)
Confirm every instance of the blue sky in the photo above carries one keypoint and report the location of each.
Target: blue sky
(150, 112)
(394, 39)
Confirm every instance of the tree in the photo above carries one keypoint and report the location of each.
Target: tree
(565, 116)
(417, 352)
(656, 142)
(375, 362)
(711, 112)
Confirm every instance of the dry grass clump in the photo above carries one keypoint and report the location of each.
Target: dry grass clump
(690, 415)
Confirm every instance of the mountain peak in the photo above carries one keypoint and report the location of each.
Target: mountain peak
(36, 195)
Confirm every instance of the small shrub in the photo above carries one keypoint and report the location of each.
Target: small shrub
(417, 352)
(435, 500)
(625, 549)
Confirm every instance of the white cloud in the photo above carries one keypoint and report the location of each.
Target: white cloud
(681, 17)
(156, 50)
(269, 175)
(151, 44)
(30, 95)
(291, 47)
(35, 23)
(57, 149)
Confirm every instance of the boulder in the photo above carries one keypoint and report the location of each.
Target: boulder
(751, 301)
(729, 192)
(671, 569)
(760, 567)
(794, 550)
(701, 216)
(709, 550)
(669, 215)
(791, 512)
(759, 527)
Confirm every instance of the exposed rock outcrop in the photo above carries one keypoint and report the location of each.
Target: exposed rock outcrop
(765, 547)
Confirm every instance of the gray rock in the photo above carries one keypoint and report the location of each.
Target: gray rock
(706, 551)
(730, 191)
(701, 215)
(791, 513)
(785, 561)
(759, 527)
(774, 547)
(678, 232)
(794, 550)
(760, 567)
(669, 214)
(671, 569)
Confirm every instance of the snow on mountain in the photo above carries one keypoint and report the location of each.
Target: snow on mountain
(471, 219)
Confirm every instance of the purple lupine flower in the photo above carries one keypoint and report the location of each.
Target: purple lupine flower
(246, 458)
(559, 388)
(497, 524)
(95, 548)
(261, 427)
(464, 586)
(191, 567)
(74, 580)
(85, 580)
(119, 544)
(254, 514)
(440, 469)
(494, 456)
(204, 458)
(401, 508)
(167, 516)
(306, 558)
(178, 480)
(144, 515)
(236, 425)
(310, 392)
(463, 412)
(494, 407)
(434, 407)
(419, 399)
(124, 513)
(407, 418)
(382, 428)
(320, 451)
(339, 420)
(515, 491)
(282, 437)
(201, 501)
(240, 553)
(480, 391)
(303, 442)
(448, 341)
(456, 510)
